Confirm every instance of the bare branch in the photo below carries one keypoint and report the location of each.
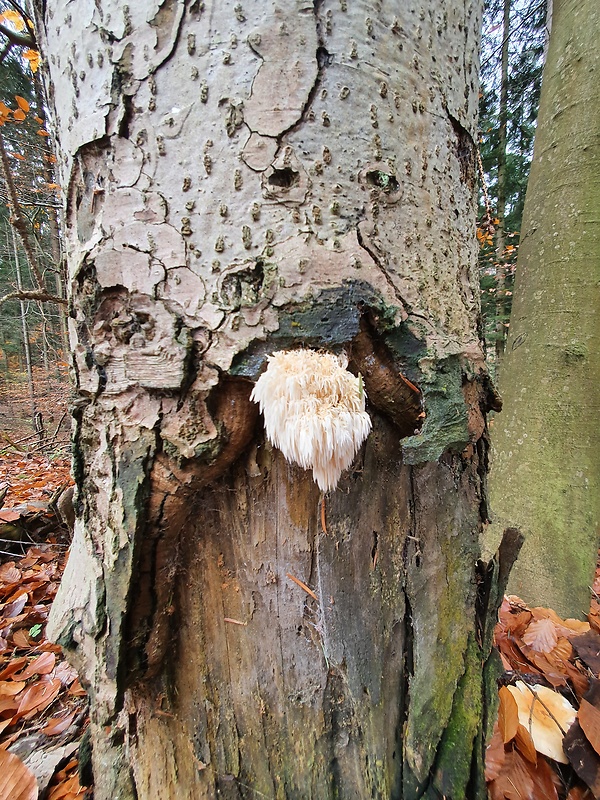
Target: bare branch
(17, 218)
(26, 39)
(39, 295)
(20, 39)
(5, 51)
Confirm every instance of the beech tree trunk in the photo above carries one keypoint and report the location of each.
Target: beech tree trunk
(546, 466)
(242, 178)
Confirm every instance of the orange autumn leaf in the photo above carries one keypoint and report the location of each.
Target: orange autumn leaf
(42, 133)
(546, 715)
(38, 696)
(14, 666)
(22, 103)
(519, 779)
(10, 688)
(525, 744)
(14, 18)
(17, 782)
(33, 57)
(21, 639)
(508, 715)
(76, 689)
(589, 719)
(42, 665)
(19, 115)
(59, 724)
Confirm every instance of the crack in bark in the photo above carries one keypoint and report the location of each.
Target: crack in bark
(370, 251)
(408, 633)
(321, 66)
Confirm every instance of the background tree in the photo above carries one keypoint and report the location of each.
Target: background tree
(241, 178)
(30, 260)
(511, 72)
(546, 472)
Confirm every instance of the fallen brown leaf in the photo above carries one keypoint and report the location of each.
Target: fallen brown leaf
(546, 715)
(589, 719)
(59, 724)
(42, 665)
(587, 647)
(521, 780)
(508, 715)
(16, 781)
(584, 759)
(38, 696)
(541, 635)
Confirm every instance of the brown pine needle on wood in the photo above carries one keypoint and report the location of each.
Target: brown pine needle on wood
(302, 586)
(234, 621)
(323, 525)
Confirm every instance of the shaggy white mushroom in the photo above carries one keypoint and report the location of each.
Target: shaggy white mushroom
(314, 411)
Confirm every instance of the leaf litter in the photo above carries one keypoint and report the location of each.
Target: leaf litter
(546, 741)
(43, 708)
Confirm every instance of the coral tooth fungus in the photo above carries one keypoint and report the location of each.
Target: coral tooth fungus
(314, 411)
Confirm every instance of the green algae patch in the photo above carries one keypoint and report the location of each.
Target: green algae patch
(446, 421)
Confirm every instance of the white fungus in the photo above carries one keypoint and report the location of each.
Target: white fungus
(314, 411)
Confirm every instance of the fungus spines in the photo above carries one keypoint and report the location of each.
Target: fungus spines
(314, 411)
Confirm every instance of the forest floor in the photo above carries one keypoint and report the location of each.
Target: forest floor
(546, 742)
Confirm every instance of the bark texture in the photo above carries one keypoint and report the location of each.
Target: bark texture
(546, 466)
(242, 178)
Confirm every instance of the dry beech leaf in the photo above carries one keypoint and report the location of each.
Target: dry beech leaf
(589, 719)
(14, 607)
(5, 723)
(540, 709)
(8, 705)
(525, 745)
(11, 688)
(495, 755)
(42, 665)
(16, 781)
(8, 515)
(508, 715)
(20, 638)
(584, 759)
(38, 696)
(587, 647)
(566, 627)
(522, 780)
(58, 725)
(76, 689)
(10, 574)
(541, 635)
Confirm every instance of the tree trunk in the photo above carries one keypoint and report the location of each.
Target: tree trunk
(501, 194)
(241, 179)
(546, 469)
